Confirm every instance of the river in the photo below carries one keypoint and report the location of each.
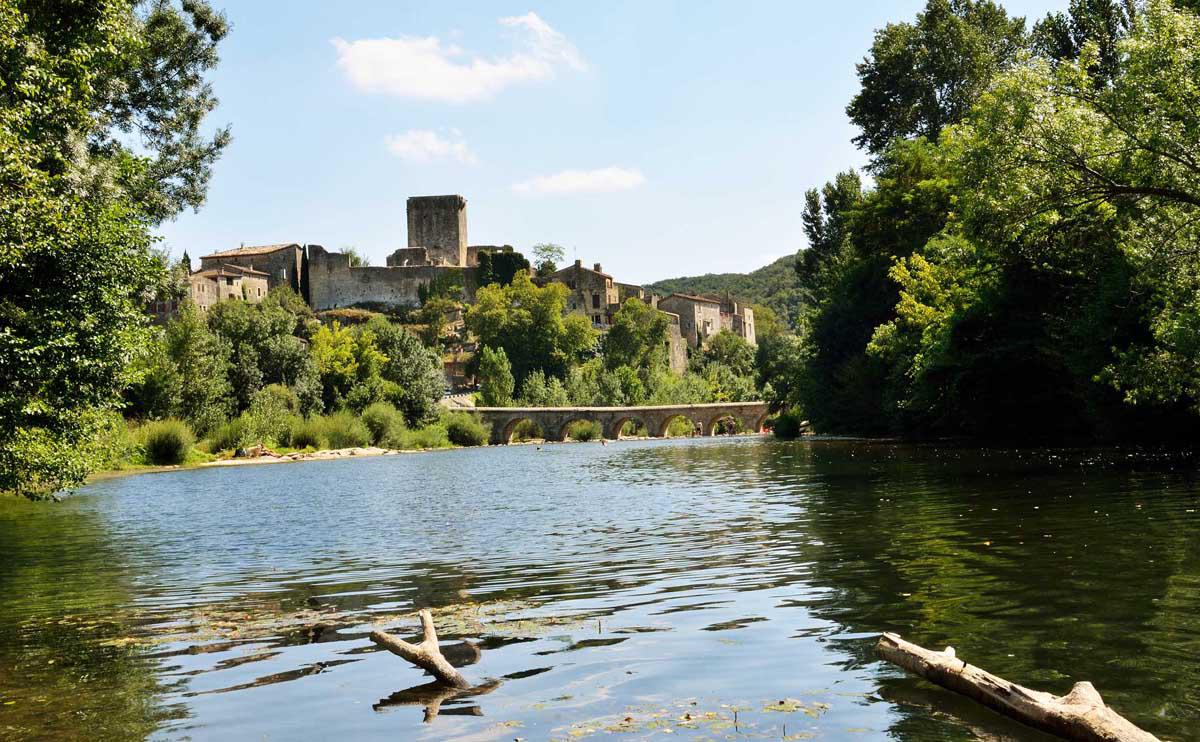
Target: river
(651, 589)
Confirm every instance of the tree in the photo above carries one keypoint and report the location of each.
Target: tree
(414, 369)
(766, 322)
(924, 76)
(637, 338)
(1051, 145)
(498, 266)
(357, 259)
(546, 257)
(826, 220)
(731, 351)
(334, 352)
(202, 364)
(98, 130)
(497, 383)
(1062, 37)
(542, 391)
(528, 323)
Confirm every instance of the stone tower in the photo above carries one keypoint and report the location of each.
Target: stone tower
(439, 224)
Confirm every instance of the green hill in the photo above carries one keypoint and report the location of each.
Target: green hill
(773, 285)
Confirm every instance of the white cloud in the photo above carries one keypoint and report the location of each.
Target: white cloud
(422, 145)
(427, 69)
(604, 180)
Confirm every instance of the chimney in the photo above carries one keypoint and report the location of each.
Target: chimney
(578, 263)
(596, 268)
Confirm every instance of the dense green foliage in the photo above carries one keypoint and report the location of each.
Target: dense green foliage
(1032, 269)
(100, 109)
(500, 267)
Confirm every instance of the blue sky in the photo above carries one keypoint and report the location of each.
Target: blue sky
(657, 138)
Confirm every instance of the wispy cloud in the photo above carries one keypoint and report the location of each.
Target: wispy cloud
(423, 145)
(603, 180)
(427, 69)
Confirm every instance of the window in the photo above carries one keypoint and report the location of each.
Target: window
(229, 281)
(595, 301)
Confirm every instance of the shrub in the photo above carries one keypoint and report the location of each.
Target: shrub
(681, 427)
(307, 433)
(271, 415)
(431, 436)
(230, 435)
(113, 446)
(385, 423)
(786, 425)
(584, 430)
(527, 430)
(344, 430)
(167, 441)
(463, 429)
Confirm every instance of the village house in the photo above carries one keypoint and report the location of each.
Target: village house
(211, 286)
(593, 292)
(699, 316)
(281, 263)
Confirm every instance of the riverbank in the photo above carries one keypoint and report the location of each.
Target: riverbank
(336, 454)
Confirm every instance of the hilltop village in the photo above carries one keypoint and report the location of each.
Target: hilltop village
(438, 255)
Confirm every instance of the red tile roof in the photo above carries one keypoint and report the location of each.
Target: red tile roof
(250, 251)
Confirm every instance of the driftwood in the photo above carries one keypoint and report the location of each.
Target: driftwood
(1079, 715)
(426, 655)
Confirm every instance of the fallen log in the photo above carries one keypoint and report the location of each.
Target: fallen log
(1079, 715)
(426, 655)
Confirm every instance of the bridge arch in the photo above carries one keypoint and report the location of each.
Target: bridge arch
(564, 430)
(510, 428)
(664, 428)
(618, 425)
(712, 426)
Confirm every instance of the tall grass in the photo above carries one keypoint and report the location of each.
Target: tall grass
(385, 423)
(463, 429)
(344, 430)
(167, 442)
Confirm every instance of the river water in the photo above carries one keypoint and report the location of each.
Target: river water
(654, 589)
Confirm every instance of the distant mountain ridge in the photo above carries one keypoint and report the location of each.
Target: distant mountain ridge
(774, 285)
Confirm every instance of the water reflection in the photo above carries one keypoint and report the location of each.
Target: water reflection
(628, 588)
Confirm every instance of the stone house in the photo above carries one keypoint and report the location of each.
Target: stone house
(211, 286)
(738, 319)
(282, 263)
(699, 316)
(594, 294)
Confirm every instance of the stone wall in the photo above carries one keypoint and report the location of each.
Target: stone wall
(408, 256)
(439, 224)
(332, 283)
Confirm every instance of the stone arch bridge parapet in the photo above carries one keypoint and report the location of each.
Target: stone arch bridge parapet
(554, 420)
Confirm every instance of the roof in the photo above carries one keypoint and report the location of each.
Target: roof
(690, 297)
(229, 270)
(241, 252)
(572, 268)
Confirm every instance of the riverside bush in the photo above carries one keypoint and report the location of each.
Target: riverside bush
(584, 430)
(307, 433)
(229, 435)
(167, 441)
(431, 436)
(786, 425)
(385, 423)
(344, 430)
(463, 429)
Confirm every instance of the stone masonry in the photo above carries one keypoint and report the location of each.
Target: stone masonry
(439, 224)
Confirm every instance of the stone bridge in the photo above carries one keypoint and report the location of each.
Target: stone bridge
(554, 420)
